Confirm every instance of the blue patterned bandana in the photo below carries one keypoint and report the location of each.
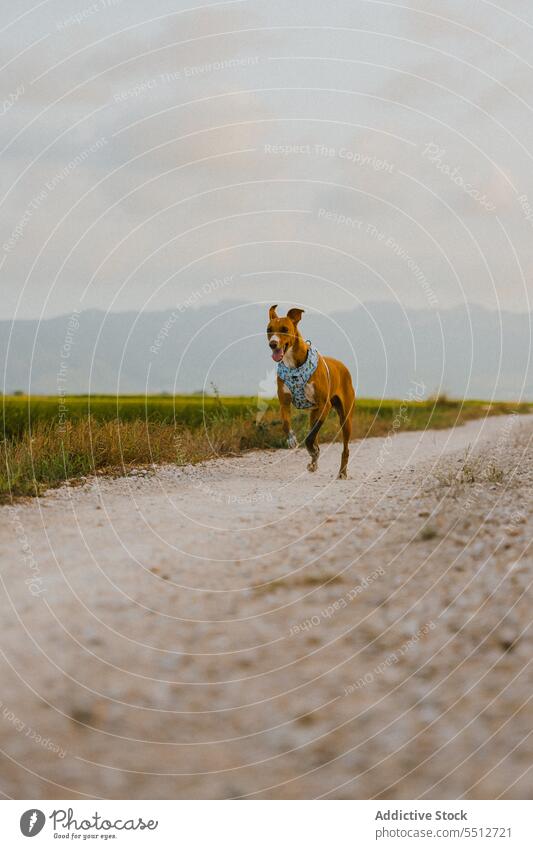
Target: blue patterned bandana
(295, 379)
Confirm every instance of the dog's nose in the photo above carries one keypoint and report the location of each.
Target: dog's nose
(273, 345)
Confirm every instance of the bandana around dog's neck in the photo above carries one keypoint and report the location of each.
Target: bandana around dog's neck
(295, 379)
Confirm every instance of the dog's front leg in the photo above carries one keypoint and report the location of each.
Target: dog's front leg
(292, 441)
(285, 409)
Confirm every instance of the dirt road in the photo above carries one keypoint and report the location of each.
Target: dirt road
(245, 629)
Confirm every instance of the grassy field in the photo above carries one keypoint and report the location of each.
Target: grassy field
(21, 413)
(47, 440)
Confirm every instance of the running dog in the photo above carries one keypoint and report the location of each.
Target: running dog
(309, 381)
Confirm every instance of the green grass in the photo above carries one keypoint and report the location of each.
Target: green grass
(46, 440)
(21, 413)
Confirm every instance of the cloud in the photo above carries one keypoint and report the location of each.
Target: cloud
(227, 129)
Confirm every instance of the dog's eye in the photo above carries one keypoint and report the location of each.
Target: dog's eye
(284, 330)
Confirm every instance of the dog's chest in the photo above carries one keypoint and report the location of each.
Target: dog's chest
(298, 380)
(309, 392)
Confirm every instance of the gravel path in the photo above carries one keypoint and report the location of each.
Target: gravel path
(244, 628)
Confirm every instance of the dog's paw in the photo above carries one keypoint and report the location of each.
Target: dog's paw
(342, 476)
(292, 442)
(312, 466)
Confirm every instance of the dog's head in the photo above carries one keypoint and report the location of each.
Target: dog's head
(282, 332)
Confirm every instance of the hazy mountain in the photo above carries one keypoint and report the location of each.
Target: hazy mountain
(464, 351)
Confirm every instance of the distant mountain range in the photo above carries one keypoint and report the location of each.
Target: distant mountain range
(467, 351)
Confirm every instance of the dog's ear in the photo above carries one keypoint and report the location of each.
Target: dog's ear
(272, 312)
(295, 315)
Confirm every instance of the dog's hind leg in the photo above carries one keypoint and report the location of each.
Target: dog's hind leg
(318, 417)
(345, 411)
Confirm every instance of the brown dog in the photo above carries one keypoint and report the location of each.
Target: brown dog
(309, 380)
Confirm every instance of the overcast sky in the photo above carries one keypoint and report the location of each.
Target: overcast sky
(325, 154)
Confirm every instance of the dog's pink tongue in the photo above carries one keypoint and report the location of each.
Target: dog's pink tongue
(277, 356)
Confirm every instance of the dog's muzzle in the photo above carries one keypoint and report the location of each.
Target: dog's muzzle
(277, 353)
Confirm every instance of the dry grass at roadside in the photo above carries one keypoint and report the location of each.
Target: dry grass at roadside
(473, 469)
